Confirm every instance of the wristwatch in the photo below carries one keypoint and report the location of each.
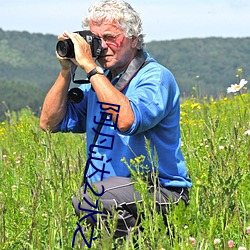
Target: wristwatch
(96, 70)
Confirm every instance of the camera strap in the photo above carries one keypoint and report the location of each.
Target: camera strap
(136, 64)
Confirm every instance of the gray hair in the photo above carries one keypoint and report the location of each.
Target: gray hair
(120, 13)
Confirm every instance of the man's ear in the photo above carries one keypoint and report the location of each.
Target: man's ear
(134, 42)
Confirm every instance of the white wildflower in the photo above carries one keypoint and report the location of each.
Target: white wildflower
(236, 87)
(242, 248)
(217, 241)
(247, 133)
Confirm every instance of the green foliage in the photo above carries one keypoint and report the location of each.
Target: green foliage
(14, 95)
(220, 157)
(28, 58)
(35, 174)
(28, 68)
(40, 172)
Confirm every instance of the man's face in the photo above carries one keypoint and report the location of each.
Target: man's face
(118, 50)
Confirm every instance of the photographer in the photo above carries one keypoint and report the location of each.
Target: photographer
(145, 95)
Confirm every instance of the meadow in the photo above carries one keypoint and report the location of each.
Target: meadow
(40, 172)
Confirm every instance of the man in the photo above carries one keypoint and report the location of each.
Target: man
(141, 100)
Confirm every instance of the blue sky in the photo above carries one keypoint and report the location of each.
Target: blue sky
(162, 19)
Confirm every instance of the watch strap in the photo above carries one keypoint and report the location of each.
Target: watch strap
(93, 72)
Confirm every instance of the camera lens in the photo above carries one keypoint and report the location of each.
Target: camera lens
(75, 95)
(65, 48)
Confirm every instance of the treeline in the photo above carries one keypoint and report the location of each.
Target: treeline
(28, 67)
(204, 67)
(16, 95)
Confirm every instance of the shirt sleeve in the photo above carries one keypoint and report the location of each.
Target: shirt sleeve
(152, 98)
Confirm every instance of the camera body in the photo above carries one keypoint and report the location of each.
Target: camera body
(65, 48)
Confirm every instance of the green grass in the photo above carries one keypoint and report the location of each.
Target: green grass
(40, 172)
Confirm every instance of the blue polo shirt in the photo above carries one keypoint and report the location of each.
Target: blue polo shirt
(154, 97)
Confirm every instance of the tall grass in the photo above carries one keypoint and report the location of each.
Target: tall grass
(40, 172)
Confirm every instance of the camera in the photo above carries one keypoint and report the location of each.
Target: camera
(65, 48)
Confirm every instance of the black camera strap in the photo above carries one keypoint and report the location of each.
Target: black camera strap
(136, 64)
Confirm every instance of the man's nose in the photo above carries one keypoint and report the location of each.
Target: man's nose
(104, 44)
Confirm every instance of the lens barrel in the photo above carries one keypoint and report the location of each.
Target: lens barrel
(65, 48)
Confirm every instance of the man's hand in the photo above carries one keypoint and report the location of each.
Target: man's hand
(66, 63)
(83, 54)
